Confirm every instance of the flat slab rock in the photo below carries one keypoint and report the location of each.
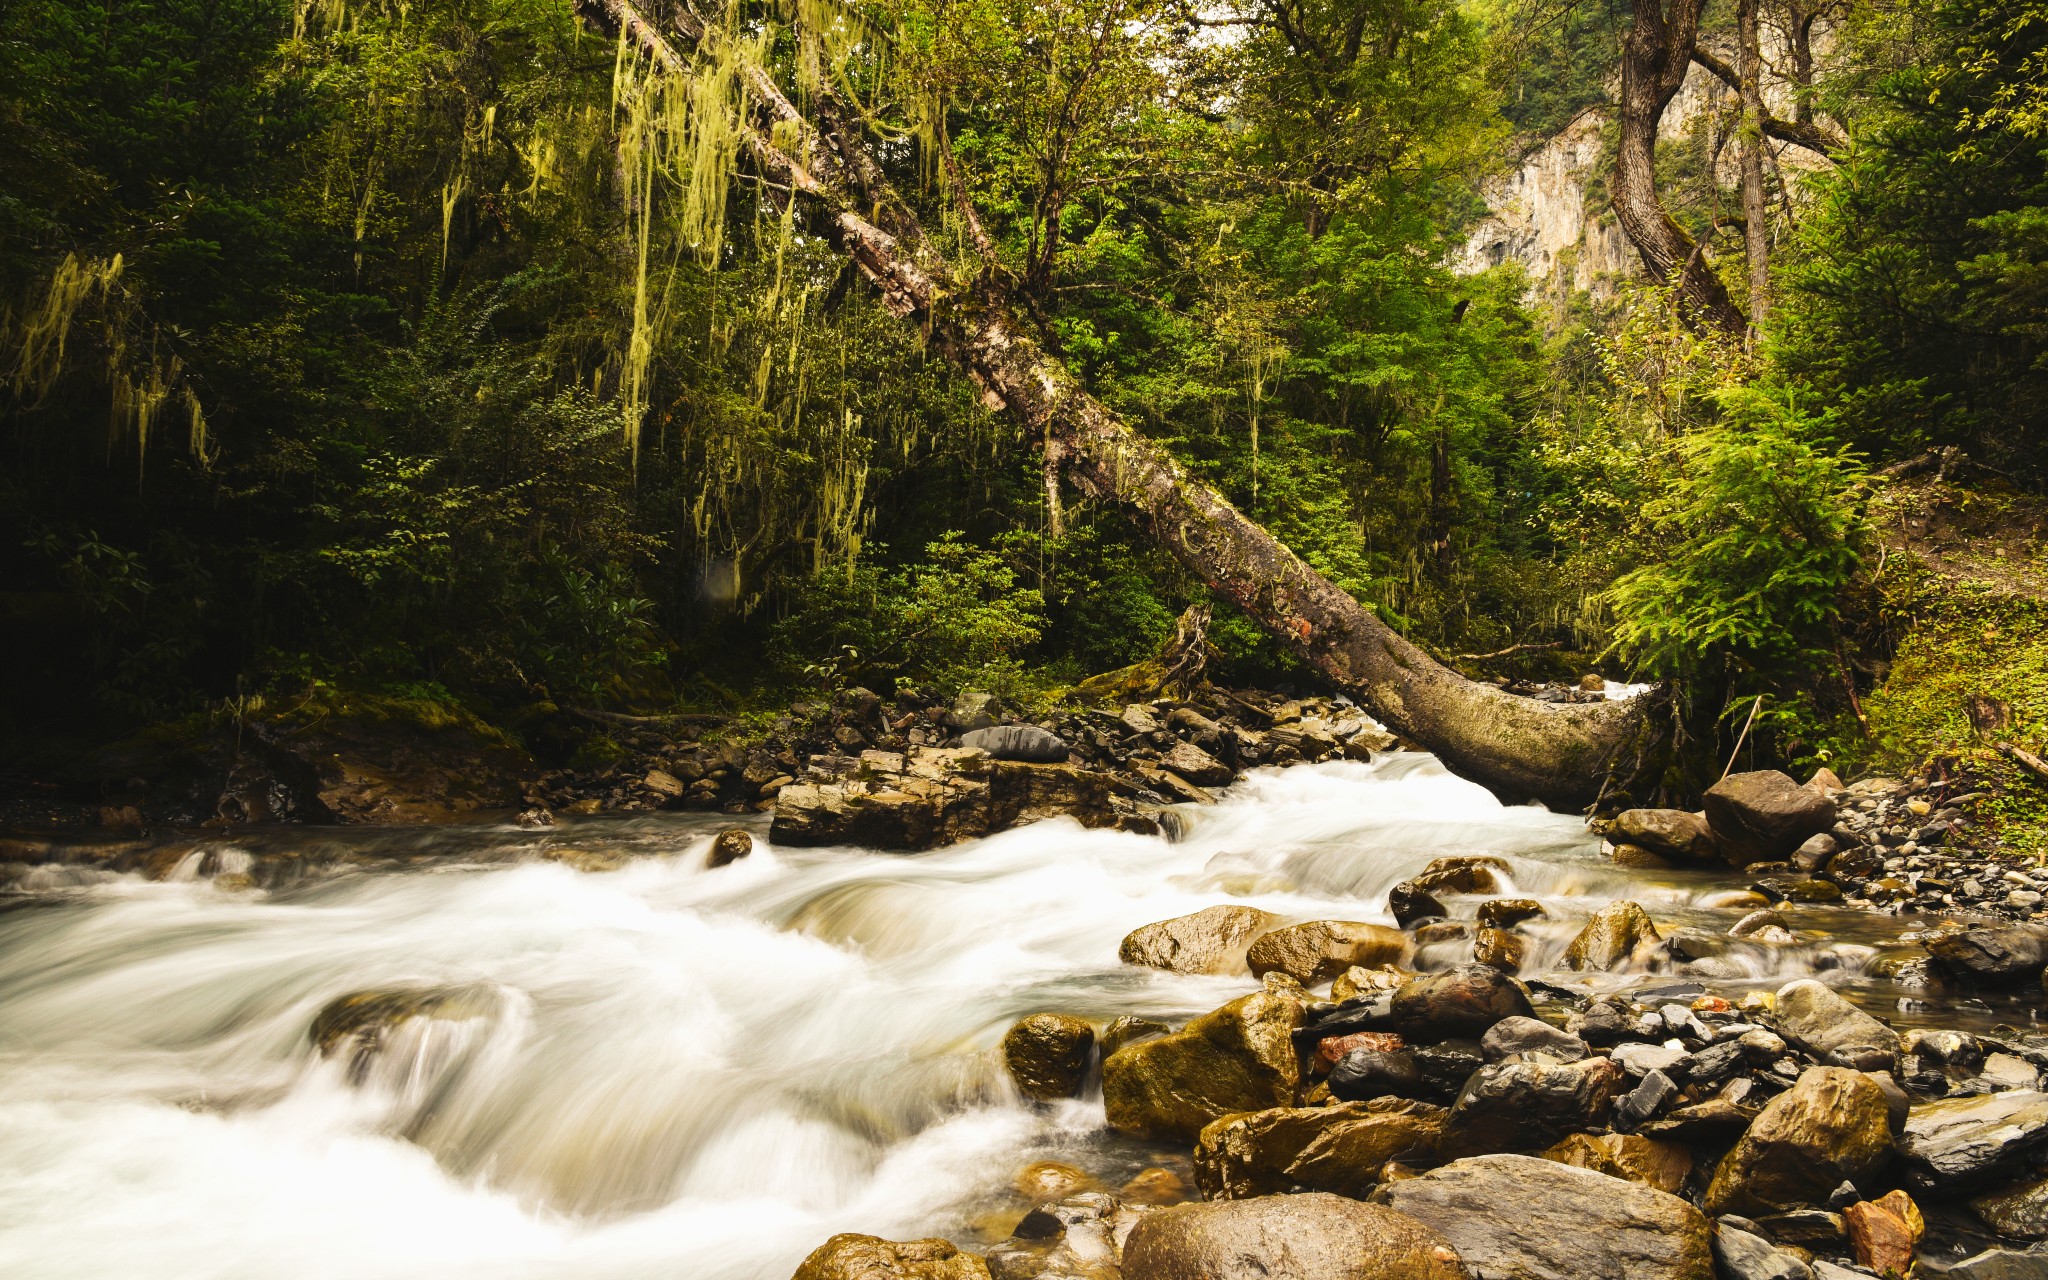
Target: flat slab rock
(1523, 1218)
(1959, 1144)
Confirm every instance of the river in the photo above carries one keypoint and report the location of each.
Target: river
(674, 1072)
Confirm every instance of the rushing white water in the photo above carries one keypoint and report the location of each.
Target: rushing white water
(687, 1073)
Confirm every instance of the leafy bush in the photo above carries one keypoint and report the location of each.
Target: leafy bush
(1761, 531)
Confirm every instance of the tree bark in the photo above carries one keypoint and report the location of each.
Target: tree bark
(1756, 232)
(1654, 58)
(1568, 755)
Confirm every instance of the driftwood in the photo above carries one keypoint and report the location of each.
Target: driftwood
(1565, 754)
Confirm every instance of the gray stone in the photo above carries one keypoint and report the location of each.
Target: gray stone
(1992, 1264)
(1959, 1144)
(1640, 1059)
(1512, 1036)
(1811, 1015)
(1213, 940)
(1996, 955)
(1743, 1256)
(1520, 1106)
(1018, 742)
(1642, 1103)
(1514, 1217)
(1463, 1000)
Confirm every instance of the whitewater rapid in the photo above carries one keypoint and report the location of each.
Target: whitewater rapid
(687, 1073)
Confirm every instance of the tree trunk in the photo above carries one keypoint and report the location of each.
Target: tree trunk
(1567, 755)
(1654, 59)
(1756, 232)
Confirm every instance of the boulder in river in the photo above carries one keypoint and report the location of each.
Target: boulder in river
(1408, 904)
(1992, 955)
(1463, 873)
(1238, 1058)
(858, 1257)
(1520, 1106)
(1077, 1237)
(1213, 940)
(1196, 765)
(1832, 1126)
(1514, 1217)
(1957, 1145)
(1340, 1148)
(1048, 1055)
(729, 846)
(1018, 742)
(1315, 1236)
(1668, 833)
(1811, 1015)
(359, 1026)
(1765, 816)
(1743, 1255)
(1318, 951)
(1611, 937)
(1463, 1000)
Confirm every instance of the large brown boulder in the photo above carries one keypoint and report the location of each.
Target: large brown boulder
(1611, 937)
(1238, 1058)
(857, 1257)
(1213, 940)
(1463, 1000)
(1048, 1054)
(1306, 1237)
(1765, 816)
(1632, 1157)
(1320, 950)
(1832, 1126)
(1520, 1218)
(1463, 873)
(1339, 1148)
(1668, 833)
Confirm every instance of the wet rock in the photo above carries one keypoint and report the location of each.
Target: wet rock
(1196, 765)
(1044, 1180)
(1506, 913)
(728, 846)
(1019, 742)
(1154, 1186)
(2020, 1211)
(1316, 1236)
(931, 796)
(538, 818)
(1811, 1015)
(1318, 951)
(1994, 955)
(1831, 1126)
(1213, 940)
(1639, 1059)
(1611, 937)
(1603, 1022)
(1339, 1148)
(1077, 1237)
(1520, 1106)
(1628, 1156)
(1514, 1217)
(1765, 815)
(1047, 1054)
(1239, 1058)
(1743, 1256)
(1961, 1144)
(1645, 1102)
(1446, 1066)
(1513, 1036)
(1716, 1121)
(1408, 904)
(1359, 980)
(1668, 833)
(1807, 1228)
(1991, 1264)
(1331, 1050)
(1368, 1073)
(1884, 1233)
(361, 1025)
(1637, 858)
(1467, 873)
(858, 1257)
(1498, 949)
(1130, 1030)
(364, 759)
(1463, 1000)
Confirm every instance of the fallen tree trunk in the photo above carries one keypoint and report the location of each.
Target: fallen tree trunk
(1567, 755)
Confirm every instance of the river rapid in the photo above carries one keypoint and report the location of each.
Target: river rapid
(672, 1071)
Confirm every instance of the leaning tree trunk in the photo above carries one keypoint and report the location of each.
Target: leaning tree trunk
(1565, 754)
(1654, 58)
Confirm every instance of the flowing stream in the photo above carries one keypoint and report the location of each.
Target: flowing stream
(663, 1070)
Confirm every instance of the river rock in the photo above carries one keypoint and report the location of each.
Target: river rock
(1764, 816)
(1129, 1030)
(1498, 949)
(935, 796)
(1318, 951)
(1048, 1054)
(729, 846)
(358, 1027)
(1519, 1106)
(1611, 937)
(1514, 1217)
(1668, 833)
(1368, 1073)
(857, 1257)
(1994, 955)
(1506, 913)
(1018, 742)
(1962, 1144)
(1315, 1236)
(1991, 1264)
(1408, 904)
(1196, 765)
(1239, 1058)
(1213, 940)
(1513, 1036)
(1078, 1237)
(1628, 1156)
(1832, 1126)
(1461, 1001)
(1339, 1148)
(1331, 1050)
(1463, 873)
(1885, 1233)
(1811, 1015)
(1744, 1256)
(2020, 1211)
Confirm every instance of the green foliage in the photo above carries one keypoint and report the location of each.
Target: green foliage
(956, 618)
(1762, 531)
